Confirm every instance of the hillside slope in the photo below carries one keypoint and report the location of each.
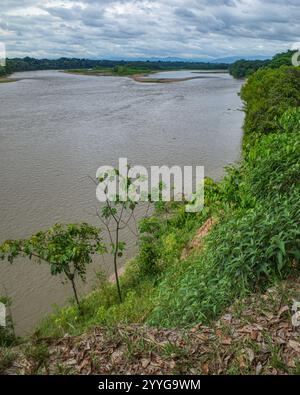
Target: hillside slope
(257, 335)
(190, 268)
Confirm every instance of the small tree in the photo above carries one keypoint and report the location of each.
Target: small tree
(117, 215)
(67, 249)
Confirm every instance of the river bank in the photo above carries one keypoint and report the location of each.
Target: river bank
(238, 343)
(66, 127)
(145, 76)
(190, 268)
(4, 80)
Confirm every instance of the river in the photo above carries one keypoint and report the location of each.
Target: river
(56, 129)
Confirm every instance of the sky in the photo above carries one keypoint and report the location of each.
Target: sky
(114, 29)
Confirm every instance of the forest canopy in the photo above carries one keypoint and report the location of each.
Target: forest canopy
(245, 68)
(31, 64)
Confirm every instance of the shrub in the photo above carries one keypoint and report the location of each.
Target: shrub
(290, 120)
(256, 242)
(273, 165)
(267, 95)
(248, 249)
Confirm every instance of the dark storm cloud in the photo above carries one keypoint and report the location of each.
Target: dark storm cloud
(146, 28)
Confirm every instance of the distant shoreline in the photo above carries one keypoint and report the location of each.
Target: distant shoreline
(4, 80)
(144, 77)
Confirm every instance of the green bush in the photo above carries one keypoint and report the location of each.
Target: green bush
(267, 95)
(245, 68)
(290, 120)
(256, 242)
(143, 274)
(273, 165)
(247, 250)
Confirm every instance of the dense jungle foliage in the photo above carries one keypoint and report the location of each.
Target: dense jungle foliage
(244, 68)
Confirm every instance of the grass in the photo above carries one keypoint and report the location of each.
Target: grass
(255, 339)
(139, 283)
(7, 357)
(254, 244)
(38, 355)
(113, 71)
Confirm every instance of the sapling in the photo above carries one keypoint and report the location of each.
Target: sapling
(118, 214)
(67, 249)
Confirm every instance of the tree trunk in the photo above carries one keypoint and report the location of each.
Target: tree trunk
(115, 264)
(75, 292)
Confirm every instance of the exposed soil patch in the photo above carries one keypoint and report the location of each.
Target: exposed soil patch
(197, 241)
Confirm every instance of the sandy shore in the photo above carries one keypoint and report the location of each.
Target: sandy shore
(145, 78)
(4, 80)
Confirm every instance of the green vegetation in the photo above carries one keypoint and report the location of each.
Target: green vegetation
(244, 341)
(257, 239)
(38, 355)
(3, 71)
(117, 67)
(127, 70)
(245, 68)
(7, 357)
(66, 249)
(254, 241)
(161, 244)
(115, 71)
(268, 95)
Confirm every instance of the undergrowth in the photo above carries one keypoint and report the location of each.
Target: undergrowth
(254, 243)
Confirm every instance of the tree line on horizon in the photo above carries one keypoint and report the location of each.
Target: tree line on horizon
(32, 64)
(239, 69)
(244, 68)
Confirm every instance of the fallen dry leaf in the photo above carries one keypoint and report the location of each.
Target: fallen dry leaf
(250, 355)
(205, 368)
(226, 341)
(208, 350)
(242, 362)
(145, 363)
(283, 310)
(295, 345)
(258, 369)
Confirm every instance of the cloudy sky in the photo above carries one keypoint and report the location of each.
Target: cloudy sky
(148, 28)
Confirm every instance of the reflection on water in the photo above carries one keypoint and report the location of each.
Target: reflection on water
(56, 129)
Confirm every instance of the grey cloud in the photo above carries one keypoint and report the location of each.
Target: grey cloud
(145, 28)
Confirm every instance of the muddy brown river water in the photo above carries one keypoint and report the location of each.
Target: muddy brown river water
(56, 129)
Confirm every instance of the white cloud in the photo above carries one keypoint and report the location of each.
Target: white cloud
(147, 28)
